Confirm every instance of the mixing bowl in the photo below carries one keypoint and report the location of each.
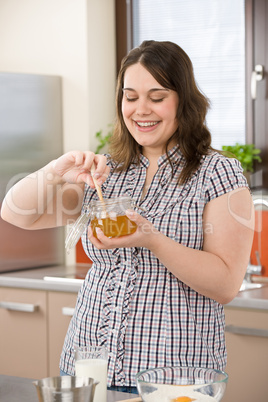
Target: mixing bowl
(181, 384)
(65, 389)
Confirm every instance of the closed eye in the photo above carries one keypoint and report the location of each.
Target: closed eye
(131, 99)
(157, 100)
(153, 100)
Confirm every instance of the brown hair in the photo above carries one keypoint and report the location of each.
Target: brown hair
(172, 68)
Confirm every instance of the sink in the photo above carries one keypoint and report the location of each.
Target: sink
(250, 286)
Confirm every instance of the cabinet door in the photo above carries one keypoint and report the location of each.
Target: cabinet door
(60, 306)
(23, 335)
(247, 349)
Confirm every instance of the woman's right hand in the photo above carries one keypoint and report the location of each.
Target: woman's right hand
(75, 167)
(53, 195)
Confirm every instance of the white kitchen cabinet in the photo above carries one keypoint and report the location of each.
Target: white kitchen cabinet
(247, 348)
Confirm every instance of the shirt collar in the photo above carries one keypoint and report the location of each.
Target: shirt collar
(174, 155)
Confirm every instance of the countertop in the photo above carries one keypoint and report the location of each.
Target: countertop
(58, 278)
(17, 389)
(69, 279)
(251, 299)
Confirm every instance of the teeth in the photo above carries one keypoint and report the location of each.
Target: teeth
(146, 124)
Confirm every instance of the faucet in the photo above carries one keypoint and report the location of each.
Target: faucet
(260, 201)
(255, 269)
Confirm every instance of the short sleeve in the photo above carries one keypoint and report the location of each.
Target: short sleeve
(227, 175)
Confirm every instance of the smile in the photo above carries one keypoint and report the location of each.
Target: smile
(146, 123)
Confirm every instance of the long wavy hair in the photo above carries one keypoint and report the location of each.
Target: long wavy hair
(172, 68)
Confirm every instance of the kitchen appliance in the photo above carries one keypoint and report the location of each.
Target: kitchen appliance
(30, 137)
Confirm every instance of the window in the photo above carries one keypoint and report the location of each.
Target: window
(212, 32)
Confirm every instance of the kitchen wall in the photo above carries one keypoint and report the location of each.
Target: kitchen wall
(74, 39)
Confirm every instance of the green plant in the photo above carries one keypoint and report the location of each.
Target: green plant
(103, 139)
(245, 153)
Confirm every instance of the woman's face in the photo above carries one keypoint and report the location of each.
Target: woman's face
(149, 110)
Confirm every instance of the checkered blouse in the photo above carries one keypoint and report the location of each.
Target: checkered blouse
(129, 301)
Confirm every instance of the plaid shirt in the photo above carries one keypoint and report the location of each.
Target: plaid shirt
(129, 301)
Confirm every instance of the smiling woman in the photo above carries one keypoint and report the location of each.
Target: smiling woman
(153, 297)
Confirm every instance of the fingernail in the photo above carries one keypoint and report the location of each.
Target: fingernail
(96, 175)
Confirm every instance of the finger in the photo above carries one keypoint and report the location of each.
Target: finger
(83, 162)
(100, 162)
(101, 168)
(133, 215)
(78, 158)
(104, 176)
(100, 235)
(143, 225)
(88, 160)
(94, 240)
(65, 165)
(86, 178)
(137, 218)
(110, 243)
(101, 241)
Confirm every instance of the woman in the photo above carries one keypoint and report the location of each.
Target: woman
(155, 297)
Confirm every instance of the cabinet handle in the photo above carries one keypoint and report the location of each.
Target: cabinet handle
(233, 329)
(27, 308)
(69, 311)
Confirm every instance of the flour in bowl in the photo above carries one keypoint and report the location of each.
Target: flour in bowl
(175, 393)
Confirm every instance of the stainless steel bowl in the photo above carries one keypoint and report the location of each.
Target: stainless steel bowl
(65, 389)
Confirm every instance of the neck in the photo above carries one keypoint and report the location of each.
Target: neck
(153, 154)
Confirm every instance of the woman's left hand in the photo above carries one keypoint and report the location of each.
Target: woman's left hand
(142, 237)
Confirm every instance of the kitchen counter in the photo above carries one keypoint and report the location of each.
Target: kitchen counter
(251, 299)
(17, 389)
(58, 278)
(69, 279)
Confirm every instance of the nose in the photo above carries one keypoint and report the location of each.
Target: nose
(143, 107)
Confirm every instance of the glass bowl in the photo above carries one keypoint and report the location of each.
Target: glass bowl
(181, 384)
